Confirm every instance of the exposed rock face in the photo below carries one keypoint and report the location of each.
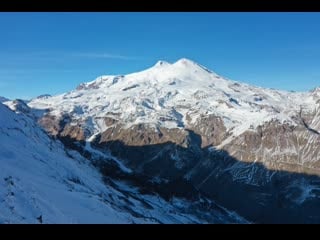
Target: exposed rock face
(279, 147)
(162, 152)
(211, 129)
(109, 121)
(50, 124)
(74, 132)
(141, 134)
(63, 128)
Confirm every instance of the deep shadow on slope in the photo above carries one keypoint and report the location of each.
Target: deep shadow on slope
(255, 192)
(201, 205)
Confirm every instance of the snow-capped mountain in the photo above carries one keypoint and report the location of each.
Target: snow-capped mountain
(179, 96)
(182, 123)
(44, 182)
(174, 96)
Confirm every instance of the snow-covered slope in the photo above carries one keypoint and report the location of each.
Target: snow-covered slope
(43, 182)
(165, 94)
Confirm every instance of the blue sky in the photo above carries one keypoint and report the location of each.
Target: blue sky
(54, 52)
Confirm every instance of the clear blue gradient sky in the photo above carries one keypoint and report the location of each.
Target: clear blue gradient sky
(54, 52)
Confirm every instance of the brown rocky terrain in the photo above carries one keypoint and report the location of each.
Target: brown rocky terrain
(254, 163)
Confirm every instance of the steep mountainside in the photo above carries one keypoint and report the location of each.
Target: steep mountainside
(181, 122)
(41, 181)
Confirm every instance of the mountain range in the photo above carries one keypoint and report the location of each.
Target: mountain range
(175, 143)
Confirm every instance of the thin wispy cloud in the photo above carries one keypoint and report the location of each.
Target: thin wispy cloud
(105, 55)
(26, 71)
(60, 55)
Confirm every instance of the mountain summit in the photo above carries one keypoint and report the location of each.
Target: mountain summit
(162, 64)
